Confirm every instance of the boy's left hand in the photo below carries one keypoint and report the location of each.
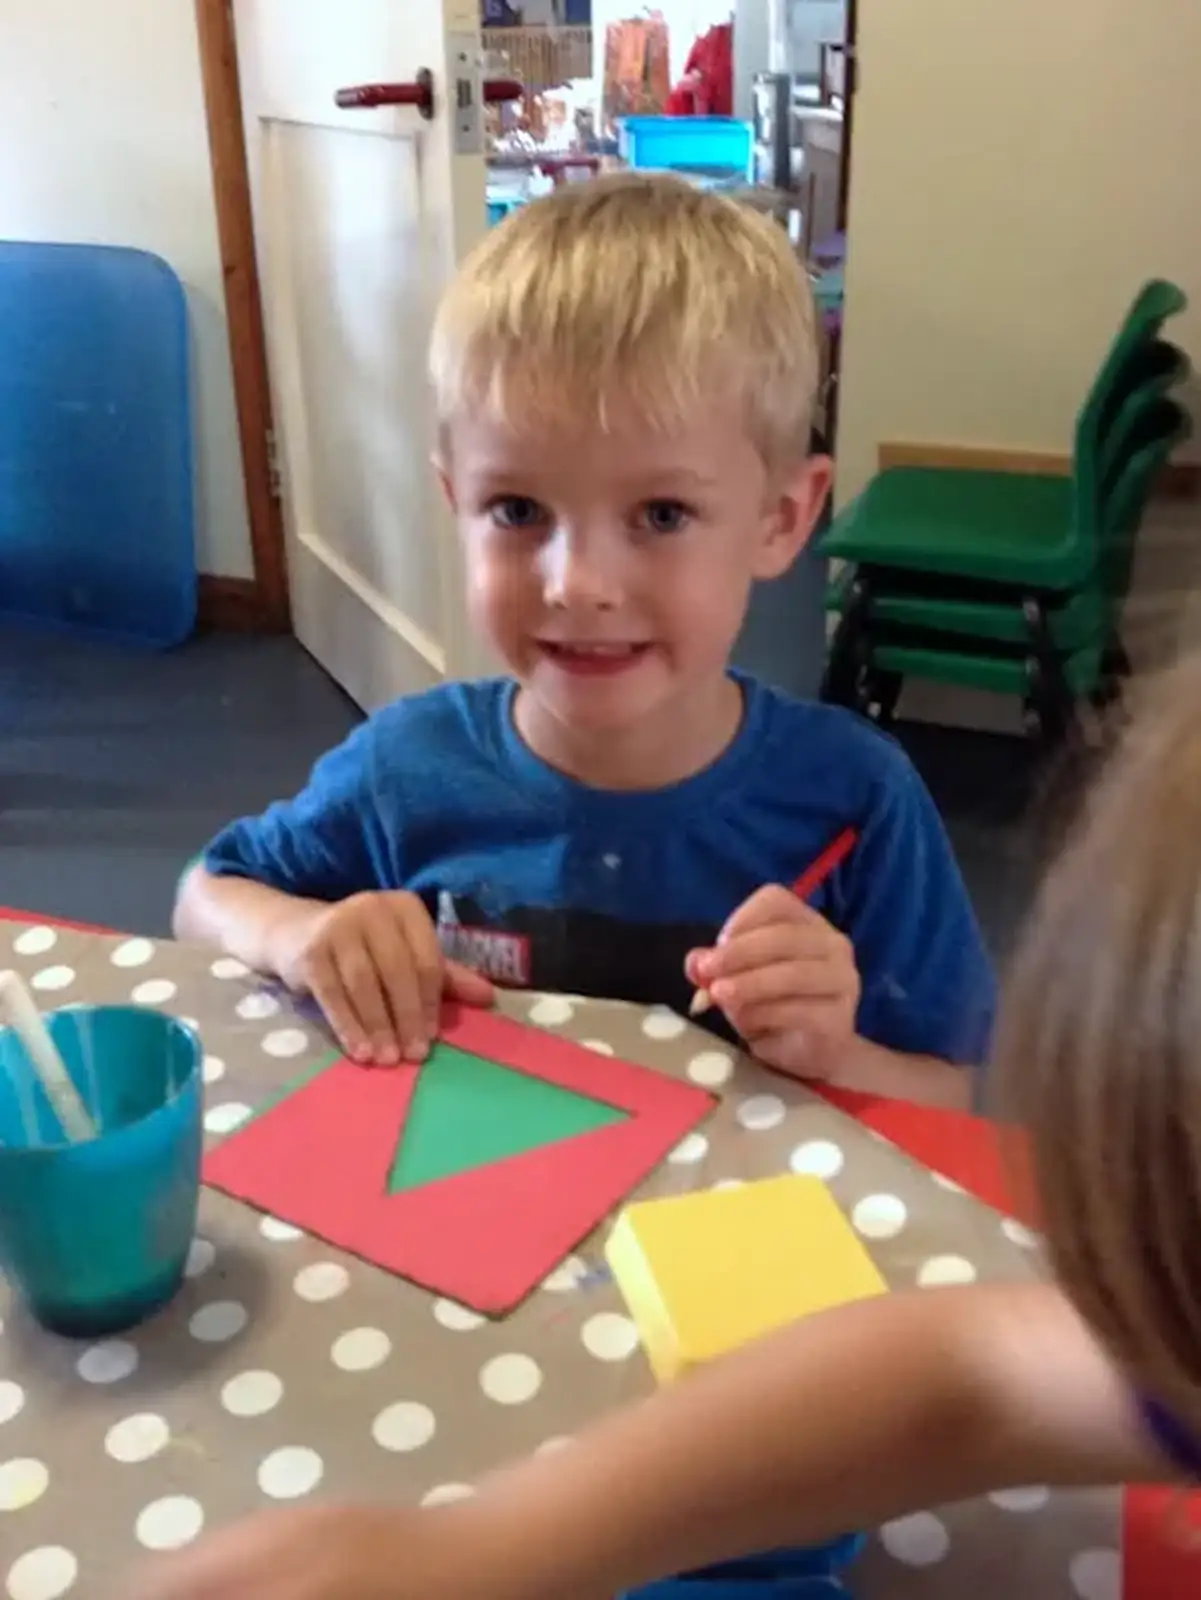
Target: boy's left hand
(787, 980)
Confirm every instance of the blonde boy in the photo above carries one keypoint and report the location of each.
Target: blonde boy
(624, 375)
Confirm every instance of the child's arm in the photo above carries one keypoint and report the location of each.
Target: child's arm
(242, 917)
(840, 1422)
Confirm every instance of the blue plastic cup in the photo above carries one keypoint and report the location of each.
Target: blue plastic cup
(95, 1235)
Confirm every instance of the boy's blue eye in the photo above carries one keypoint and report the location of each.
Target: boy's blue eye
(517, 511)
(665, 516)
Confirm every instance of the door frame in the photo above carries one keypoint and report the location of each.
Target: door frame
(260, 604)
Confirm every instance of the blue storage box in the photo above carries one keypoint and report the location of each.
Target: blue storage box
(96, 495)
(707, 145)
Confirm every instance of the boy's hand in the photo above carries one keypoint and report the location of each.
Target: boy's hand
(787, 980)
(320, 1553)
(374, 966)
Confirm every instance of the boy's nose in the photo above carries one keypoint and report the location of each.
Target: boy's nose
(581, 571)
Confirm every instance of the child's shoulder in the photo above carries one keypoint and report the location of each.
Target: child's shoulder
(449, 719)
(811, 746)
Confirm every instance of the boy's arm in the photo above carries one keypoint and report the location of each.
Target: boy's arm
(297, 857)
(242, 917)
(870, 1068)
(928, 989)
(841, 1422)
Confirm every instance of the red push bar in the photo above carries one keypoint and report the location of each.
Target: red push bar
(368, 96)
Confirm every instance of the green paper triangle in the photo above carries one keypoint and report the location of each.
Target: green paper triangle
(467, 1112)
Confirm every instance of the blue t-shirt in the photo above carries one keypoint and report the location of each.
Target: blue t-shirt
(541, 881)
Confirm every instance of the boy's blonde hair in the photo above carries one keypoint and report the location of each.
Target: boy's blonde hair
(634, 294)
(1100, 1051)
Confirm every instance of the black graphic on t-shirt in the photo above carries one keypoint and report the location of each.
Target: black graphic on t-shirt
(577, 952)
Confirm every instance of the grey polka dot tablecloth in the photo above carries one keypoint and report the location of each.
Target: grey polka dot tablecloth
(287, 1369)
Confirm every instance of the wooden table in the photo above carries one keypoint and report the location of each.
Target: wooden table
(286, 1368)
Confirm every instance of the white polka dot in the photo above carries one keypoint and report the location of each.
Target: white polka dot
(170, 1523)
(1022, 1502)
(511, 1380)
(154, 992)
(190, 1022)
(551, 1447)
(201, 1256)
(446, 1494)
(361, 1350)
(880, 1216)
(600, 1047)
(690, 1150)
(711, 1069)
(137, 1439)
(23, 1481)
(609, 1336)
(817, 1158)
(219, 1321)
(43, 1574)
(945, 1272)
(946, 1183)
(252, 1394)
(324, 1280)
(456, 1318)
(1097, 1575)
(723, 1185)
(108, 1362)
(133, 953)
(226, 1117)
(662, 1024)
(229, 967)
(1017, 1233)
(285, 1043)
(290, 1473)
(567, 1277)
(920, 1541)
(278, 1231)
(51, 978)
(551, 1011)
(761, 1113)
(257, 1007)
(12, 1399)
(404, 1427)
(35, 941)
(214, 1069)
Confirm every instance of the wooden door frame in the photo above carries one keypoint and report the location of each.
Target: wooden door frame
(261, 603)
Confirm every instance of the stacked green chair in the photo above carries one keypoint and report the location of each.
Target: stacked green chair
(1011, 582)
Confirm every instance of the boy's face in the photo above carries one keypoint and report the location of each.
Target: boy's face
(611, 570)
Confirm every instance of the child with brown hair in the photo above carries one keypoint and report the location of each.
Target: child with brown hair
(869, 1412)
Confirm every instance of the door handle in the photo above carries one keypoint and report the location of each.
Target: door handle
(419, 93)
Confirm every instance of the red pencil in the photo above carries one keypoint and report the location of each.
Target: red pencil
(809, 882)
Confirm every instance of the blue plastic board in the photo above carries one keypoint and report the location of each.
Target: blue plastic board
(97, 534)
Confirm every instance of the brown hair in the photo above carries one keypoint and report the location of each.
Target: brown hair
(1099, 1051)
(636, 292)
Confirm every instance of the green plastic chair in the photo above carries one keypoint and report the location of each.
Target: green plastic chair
(1027, 530)
(1148, 429)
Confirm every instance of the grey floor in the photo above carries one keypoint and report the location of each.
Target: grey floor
(115, 768)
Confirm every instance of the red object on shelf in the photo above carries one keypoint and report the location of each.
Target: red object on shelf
(419, 93)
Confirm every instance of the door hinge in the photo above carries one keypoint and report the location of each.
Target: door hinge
(275, 477)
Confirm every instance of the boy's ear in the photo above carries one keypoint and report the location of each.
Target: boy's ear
(792, 516)
(438, 461)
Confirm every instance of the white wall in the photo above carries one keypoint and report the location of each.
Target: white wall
(1018, 170)
(102, 141)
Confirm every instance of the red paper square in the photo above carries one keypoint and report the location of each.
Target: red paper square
(488, 1237)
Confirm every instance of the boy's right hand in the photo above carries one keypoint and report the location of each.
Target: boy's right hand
(374, 966)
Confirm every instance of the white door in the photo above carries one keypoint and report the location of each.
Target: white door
(360, 218)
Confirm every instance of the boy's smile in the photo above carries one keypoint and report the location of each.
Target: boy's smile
(611, 570)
